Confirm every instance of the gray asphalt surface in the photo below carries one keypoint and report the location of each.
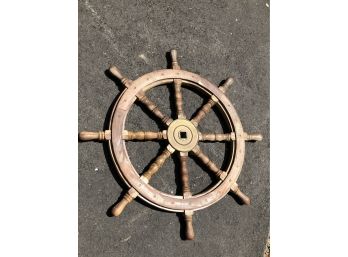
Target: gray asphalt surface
(215, 39)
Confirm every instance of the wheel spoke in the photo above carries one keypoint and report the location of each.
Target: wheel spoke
(158, 163)
(146, 176)
(144, 135)
(177, 87)
(184, 175)
(209, 163)
(178, 99)
(154, 109)
(188, 215)
(205, 109)
(213, 137)
(220, 174)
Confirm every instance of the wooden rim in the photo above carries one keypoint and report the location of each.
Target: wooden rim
(130, 175)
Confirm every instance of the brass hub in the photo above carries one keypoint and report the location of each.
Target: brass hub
(182, 135)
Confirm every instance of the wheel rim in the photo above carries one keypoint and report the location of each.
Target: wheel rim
(129, 174)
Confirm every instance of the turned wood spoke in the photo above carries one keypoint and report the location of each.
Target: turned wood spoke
(146, 176)
(144, 135)
(178, 99)
(217, 137)
(209, 163)
(158, 163)
(189, 232)
(220, 174)
(213, 137)
(154, 109)
(205, 109)
(184, 175)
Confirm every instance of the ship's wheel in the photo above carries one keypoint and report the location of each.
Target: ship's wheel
(181, 136)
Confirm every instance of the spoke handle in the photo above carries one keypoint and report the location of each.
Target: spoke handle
(95, 135)
(174, 57)
(117, 73)
(119, 207)
(226, 85)
(243, 197)
(253, 137)
(189, 232)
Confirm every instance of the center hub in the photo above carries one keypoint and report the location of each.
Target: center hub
(182, 135)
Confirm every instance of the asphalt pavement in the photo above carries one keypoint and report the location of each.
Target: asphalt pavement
(215, 39)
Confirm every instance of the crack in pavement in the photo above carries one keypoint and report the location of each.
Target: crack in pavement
(107, 31)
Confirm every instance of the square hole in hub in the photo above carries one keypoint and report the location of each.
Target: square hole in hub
(183, 135)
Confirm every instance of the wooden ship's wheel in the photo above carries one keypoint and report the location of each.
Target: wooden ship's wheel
(182, 137)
